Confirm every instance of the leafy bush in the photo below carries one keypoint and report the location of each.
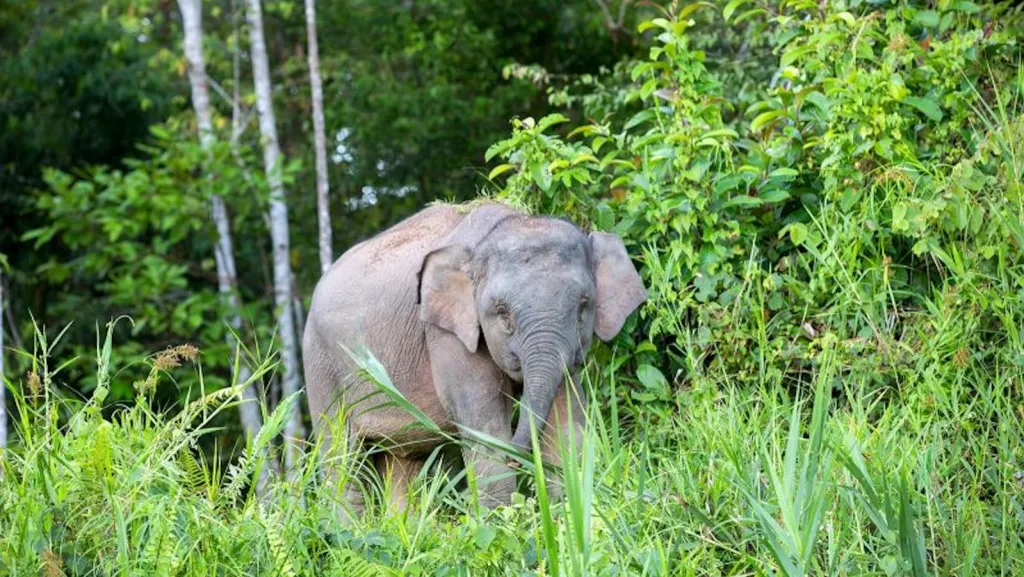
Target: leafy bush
(137, 241)
(81, 92)
(870, 191)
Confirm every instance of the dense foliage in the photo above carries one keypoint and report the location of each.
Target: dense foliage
(870, 192)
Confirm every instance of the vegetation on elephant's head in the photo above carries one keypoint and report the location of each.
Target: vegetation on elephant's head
(867, 188)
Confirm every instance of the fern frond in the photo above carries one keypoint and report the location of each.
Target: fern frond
(278, 549)
(348, 563)
(240, 473)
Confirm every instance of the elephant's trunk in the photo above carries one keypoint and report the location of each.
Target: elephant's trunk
(543, 373)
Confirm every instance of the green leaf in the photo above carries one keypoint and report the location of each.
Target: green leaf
(656, 22)
(791, 55)
(497, 148)
(820, 100)
(586, 130)
(646, 347)
(927, 18)
(731, 7)
(744, 200)
(848, 199)
(639, 118)
(484, 536)
(498, 170)
(651, 378)
(899, 218)
(720, 132)
(584, 158)
(798, 233)
(784, 172)
(777, 195)
(691, 8)
(605, 217)
(764, 118)
(848, 18)
(550, 120)
(966, 7)
(160, 132)
(705, 285)
(728, 183)
(542, 176)
(911, 541)
(927, 106)
(749, 14)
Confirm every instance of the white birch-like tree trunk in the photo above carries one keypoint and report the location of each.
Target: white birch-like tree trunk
(279, 234)
(3, 387)
(224, 254)
(323, 210)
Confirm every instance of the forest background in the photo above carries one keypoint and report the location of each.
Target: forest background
(824, 199)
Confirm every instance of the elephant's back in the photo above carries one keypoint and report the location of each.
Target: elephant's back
(369, 298)
(391, 259)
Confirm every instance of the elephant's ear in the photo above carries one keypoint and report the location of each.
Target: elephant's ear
(446, 290)
(619, 288)
(446, 294)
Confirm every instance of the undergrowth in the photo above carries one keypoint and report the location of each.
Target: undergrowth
(740, 481)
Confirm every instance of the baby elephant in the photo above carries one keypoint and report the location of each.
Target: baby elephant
(465, 308)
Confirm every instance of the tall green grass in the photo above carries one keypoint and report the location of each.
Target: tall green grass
(818, 479)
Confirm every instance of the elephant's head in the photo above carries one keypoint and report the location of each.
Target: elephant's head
(537, 289)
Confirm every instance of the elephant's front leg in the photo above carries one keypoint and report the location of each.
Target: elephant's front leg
(478, 396)
(399, 473)
(566, 420)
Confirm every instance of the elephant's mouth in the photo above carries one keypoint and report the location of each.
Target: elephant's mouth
(515, 373)
(514, 368)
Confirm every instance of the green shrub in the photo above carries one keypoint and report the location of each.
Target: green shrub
(867, 188)
(137, 241)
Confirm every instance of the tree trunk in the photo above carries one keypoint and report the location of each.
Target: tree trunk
(3, 387)
(323, 207)
(278, 228)
(224, 254)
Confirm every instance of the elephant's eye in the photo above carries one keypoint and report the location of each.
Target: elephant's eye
(505, 316)
(584, 305)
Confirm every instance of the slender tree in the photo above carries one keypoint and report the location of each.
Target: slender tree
(278, 226)
(319, 140)
(224, 253)
(3, 389)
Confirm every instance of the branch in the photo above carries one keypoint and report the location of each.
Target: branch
(239, 130)
(603, 5)
(622, 13)
(218, 89)
(614, 25)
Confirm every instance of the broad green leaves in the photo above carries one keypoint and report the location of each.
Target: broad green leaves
(127, 238)
(927, 106)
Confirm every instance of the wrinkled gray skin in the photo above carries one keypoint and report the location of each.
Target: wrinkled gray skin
(465, 309)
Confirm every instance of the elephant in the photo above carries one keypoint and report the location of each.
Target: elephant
(466, 307)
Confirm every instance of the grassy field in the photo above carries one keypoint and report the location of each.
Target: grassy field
(816, 478)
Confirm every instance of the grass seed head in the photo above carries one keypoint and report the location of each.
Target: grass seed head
(35, 385)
